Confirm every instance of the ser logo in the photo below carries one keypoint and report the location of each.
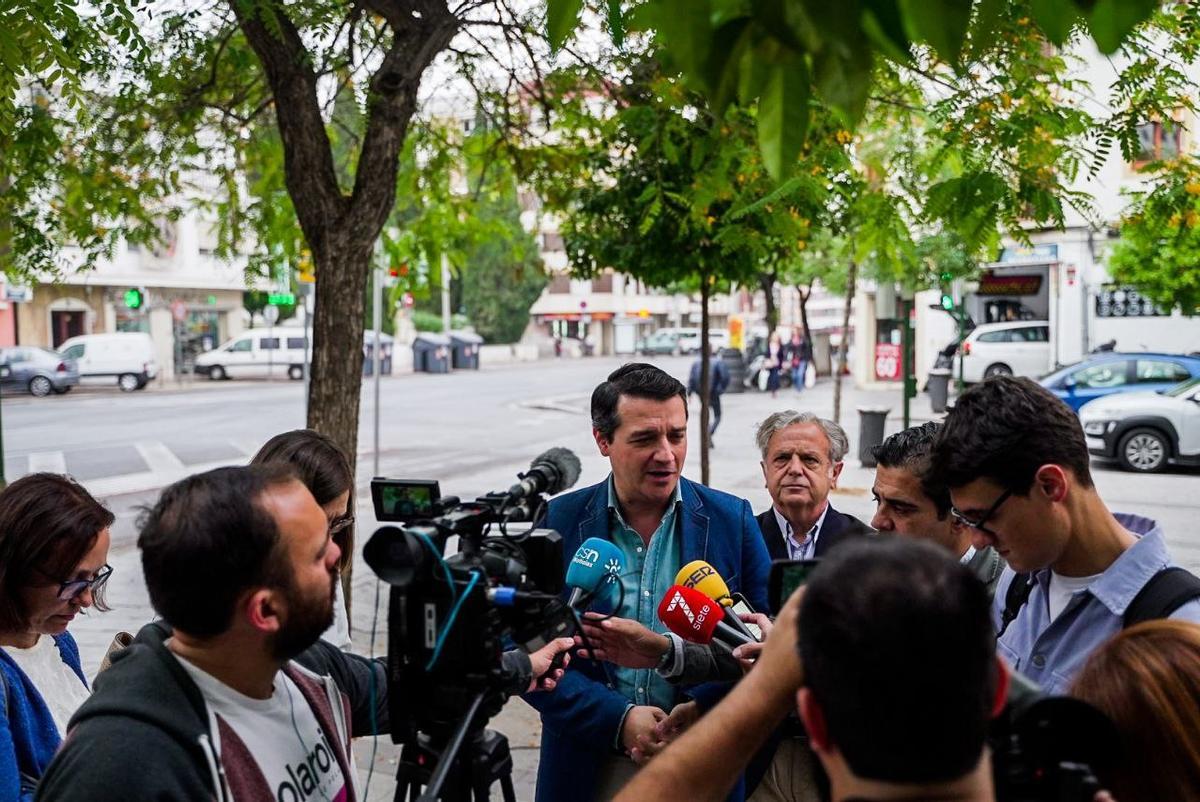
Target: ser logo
(699, 575)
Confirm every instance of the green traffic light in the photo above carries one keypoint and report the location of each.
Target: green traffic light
(133, 299)
(948, 303)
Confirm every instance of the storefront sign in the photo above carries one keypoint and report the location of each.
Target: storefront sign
(888, 362)
(1035, 255)
(1011, 284)
(17, 293)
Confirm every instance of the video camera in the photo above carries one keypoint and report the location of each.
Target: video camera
(451, 618)
(1044, 748)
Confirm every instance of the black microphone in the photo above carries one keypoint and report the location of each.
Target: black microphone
(552, 472)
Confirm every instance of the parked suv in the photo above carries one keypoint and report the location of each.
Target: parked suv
(38, 370)
(1145, 432)
(1018, 348)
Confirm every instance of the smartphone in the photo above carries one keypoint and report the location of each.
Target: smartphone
(740, 605)
(786, 576)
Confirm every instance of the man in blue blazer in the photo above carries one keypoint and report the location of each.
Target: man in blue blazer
(603, 720)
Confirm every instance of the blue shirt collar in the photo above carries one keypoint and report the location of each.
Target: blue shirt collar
(1125, 578)
(615, 505)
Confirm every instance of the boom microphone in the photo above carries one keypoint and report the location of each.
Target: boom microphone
(703, 577)
(596, 561)
(552, 472)
(694, 617)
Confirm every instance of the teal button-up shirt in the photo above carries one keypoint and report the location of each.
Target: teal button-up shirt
(649, 572)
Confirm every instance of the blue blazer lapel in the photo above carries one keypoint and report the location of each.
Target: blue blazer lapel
(695, 524)
(594, 522)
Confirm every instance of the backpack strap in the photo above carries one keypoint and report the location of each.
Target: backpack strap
(1018, 593)
(1166, 592)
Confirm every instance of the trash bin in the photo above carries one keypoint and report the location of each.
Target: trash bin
(465, 346)
(735, 364)
(939, 389)
(387, 344)
(871, 421)
(431, 353)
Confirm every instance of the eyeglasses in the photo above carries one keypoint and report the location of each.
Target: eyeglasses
(70, 589)
(340, 524)
(979, 524)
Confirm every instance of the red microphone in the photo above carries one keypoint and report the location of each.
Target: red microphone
(695, 617)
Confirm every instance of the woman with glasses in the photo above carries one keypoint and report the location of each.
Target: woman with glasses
(324, 469)
(54, 540)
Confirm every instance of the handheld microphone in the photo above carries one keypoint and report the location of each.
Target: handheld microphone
(694, 617)
(552, 472)
(596, 561)
(701, 576)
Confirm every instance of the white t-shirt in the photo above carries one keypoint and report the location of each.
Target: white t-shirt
(60, 687)
(282, 733)
(1062, 588)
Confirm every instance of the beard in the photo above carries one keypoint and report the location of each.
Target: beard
(309, 615)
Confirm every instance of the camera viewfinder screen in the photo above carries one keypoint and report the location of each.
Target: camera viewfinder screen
(408, 501)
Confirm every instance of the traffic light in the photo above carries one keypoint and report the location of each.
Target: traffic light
(134, 298)
(946, 280)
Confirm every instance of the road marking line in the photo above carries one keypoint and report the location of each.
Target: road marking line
(159, 458)
(47, 462)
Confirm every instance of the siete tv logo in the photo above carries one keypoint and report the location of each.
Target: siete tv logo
(695, 619)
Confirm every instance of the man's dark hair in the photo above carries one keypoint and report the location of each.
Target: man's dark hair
(48, 522)
(638, 380)
(910, 450)
(1004, 430)
(898, 650)
(208, 540)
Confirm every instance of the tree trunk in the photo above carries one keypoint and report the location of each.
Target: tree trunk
(705, 378)
(805, 294)
(341, 228)
(841, 365)
(767, 282)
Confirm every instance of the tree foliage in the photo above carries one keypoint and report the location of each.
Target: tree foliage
(784, 54)
(1159, 249)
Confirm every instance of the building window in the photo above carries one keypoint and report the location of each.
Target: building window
(560, 284)
(552, 242)
(1158, 140)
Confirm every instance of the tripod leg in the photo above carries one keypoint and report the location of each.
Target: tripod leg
(506, 788)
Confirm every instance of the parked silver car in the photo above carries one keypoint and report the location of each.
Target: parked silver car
(36, 370)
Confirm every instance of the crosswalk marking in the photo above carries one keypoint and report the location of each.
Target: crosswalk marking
(159, 458)
(47, 462)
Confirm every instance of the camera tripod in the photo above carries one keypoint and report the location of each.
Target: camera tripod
(478, 758)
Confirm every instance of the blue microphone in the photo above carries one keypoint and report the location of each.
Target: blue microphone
(595, 562)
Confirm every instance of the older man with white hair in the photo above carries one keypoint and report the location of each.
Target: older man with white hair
(801, 461)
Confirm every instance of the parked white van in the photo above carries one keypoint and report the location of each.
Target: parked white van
(257, 353)
(123, 358)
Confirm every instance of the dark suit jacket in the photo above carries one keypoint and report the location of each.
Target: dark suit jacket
(837, 528)
(581, 718)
